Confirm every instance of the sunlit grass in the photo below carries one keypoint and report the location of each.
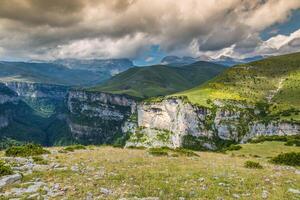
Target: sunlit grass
(136, 173)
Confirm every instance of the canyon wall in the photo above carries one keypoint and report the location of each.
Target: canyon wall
(175, 122)
(96, 117)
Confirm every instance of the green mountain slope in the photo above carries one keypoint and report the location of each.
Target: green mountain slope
(48, 73)
(274, 81)
(143, 82)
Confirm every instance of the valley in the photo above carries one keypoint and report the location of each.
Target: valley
(160, 106)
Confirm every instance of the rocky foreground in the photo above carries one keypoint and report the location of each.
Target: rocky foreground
(114, 173)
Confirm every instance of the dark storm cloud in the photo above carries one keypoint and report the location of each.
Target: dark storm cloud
(117, 28)
(42, 12)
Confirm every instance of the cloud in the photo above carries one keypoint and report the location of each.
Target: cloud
(281, 44)
(149, 59)
(123, 28)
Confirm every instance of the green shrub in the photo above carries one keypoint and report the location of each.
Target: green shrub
(292, 159)
(39, 160)
(165, 151)
(121, 140)
(252, 165)
(293, 142)
(185, 152)
(5, 169)
(136, 147)
(233, 147)
(158, 151)
(8, 142)
(74, 147)
(279, 138)
(193, 143)
(25, 150)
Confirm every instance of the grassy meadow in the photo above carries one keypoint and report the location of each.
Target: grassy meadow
(134, 173)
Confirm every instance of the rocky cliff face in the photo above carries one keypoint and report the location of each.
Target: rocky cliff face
(33, 112)
(98, 117)
(175, 123)
(38, 90)
(7, 97)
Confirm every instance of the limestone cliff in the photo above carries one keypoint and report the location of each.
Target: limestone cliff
(38, 90)
(97, 117)
(33, 112)
(175, 122)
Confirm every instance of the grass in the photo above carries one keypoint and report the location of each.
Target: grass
(275, 77)
(265, 149)
(135, 173)
(25, 150)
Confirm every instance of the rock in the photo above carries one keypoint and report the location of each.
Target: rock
(297, 172)
(264, 194)
(61, 169)
(31, 189)
(236, 196)
(34, 196)
(181, 118)
(89, 196)
(294, 191)
(40, 168)
(6, 180)
(223, 184)
(201, 179)
(246, 194)
(75, 168)
(181, 198)
(105, 191)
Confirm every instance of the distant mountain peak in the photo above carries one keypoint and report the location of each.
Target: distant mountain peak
(178, 61)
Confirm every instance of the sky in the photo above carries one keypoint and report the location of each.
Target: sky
(146, 31)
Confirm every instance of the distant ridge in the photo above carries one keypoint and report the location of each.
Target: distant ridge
(144, 82)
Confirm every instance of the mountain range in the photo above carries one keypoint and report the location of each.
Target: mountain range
(63, 72)
(222, 60)
(211, 105)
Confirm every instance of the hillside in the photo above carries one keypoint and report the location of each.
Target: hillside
(159, 80)
(274, 81)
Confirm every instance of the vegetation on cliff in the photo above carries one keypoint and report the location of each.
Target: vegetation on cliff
(274, 81)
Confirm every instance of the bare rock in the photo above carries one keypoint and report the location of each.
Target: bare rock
(6, 180)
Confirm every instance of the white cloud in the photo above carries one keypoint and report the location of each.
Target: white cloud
(149, 59)
(123, 28)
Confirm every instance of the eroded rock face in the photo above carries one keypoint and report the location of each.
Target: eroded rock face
(223, 121)
(98, 117)
(38, 90)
